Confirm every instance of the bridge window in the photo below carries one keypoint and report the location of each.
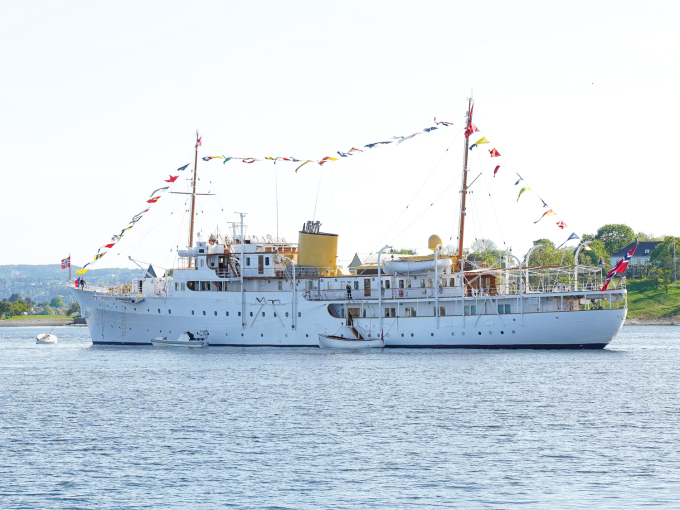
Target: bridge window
(266, 261)
(192, 285)
(470, 310)
(429, 282)
(408, 284)
(356, 284)
(182, 286)
(247, 261)
(401, 284)
(176, 286)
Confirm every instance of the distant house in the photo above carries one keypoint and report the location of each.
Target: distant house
(641, 255)
(362, 258)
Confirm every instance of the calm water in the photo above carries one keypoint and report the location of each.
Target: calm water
(84, 427)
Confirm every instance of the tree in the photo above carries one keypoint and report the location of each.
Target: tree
(483, 245)
(615, 237)
(73, 308)
(644, 236)
(14, 297)
(47, 310)
(592, 257)
(57, 302)
(403, 251)
(19, 307)
(662, 255)
(449, 250)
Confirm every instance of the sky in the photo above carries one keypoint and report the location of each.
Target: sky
(101, 101)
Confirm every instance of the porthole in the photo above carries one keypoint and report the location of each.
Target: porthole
(307, 335)
(453, 334)
(239, 314)
(479, 332)
(159, 310)
(411, 334)
(227, 314)
(286, 335)
(502, 332)
(402, 334)
(215, 313)
(241, 334)
(203, 312)
(169, 312)
(489, 332)
(431, 334)
(262, 335)
(251, 314)
(262, 314)
(463, 333)
(275, 314)
(226, 334)
(286, 314)
(192, 312)
(513, 331)
(299, 314)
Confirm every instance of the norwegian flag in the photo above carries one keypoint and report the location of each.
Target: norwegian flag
(198, 142)
(620, 267)
(66, 262)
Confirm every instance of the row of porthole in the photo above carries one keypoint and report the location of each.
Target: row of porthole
(227, 313)
(463, 333)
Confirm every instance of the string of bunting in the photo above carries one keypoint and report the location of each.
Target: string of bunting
(154, 197)
(493, 153)
(351, 152)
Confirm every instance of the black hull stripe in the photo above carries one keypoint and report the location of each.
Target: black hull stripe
(472, 346)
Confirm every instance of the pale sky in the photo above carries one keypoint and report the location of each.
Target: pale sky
(100, 102)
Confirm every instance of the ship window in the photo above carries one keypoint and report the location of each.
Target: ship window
(422, 283)
(470, 310)
(444, 282)
(227, 313)
(169, 312)
(182, 286)
(451, 282)
(507, 308)
(262, 314)
(215, 313)
(275, 314)
(280, 284)
(191, 285)
(217, 286)
(247, 261)
(266, 261)
(387, 284)
(442, 311)
(176, 286)
(356, 284)
(192, 312)
(401, 284)
(387, 312)
(203, 312)
(408, 284)
(299, 314)
(159, 310)
(205, 285)
(201, 262)
(286, 314)
(251, 314)
(429, 282)
(239, 314)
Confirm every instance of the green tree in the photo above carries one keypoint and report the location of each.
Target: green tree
(5, 307)
(615, 237)
(57, 302)
(662, 255)
(592, 257)
(47, 310)
(403, 251)
(644, 236)
(73, 308)
(19, 307)
(14, 297)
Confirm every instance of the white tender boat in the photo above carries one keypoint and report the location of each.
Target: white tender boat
(408, 267)
(338, 342)
(46, 338)
(186, 339)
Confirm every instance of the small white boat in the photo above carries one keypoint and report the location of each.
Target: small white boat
(338, 342)
(46, 338)
(186, 339)
(407, 266)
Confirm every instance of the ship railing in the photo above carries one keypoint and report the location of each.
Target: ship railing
(304, 272)
(387, 294)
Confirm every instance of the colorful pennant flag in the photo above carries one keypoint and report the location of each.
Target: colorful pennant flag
(495, 170)
(602, 262)
(182, 168)
(479, 142)
(327, 159)
(153, 200)
(494, 153)
(561, 224)
(442, 122)
(371, 145)
(159, 189)
(525, 188)
(518, 180)
(470, 127)
(198, 142)
(572, 236)
(303, 164)
(427, 130)
(172, 179)
(547, 213)
(84, 269)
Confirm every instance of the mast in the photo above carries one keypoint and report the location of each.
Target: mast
(193, 194)
(463, 189)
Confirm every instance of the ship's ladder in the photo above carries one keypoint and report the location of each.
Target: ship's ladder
(232, 265)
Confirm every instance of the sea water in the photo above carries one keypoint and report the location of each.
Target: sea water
(145, 427)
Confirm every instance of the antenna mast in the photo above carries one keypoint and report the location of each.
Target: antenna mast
(193, 193)
(464, 187)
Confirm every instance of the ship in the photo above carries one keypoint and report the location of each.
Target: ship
(251, 291)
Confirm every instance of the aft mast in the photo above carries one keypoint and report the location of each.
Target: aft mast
(193, 193)
(463, 189)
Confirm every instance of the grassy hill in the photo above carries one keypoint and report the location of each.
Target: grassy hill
(644, 301)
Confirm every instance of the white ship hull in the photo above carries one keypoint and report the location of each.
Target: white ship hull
(113, 321)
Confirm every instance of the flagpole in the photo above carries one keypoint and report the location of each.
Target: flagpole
(193, 196)
(69, 269)
(463, 189)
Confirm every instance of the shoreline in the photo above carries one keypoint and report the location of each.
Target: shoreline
(653, 321)
(35, 323)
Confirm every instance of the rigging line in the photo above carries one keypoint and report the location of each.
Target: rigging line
(493, 208)
(134, 245)
(416, 194)
(427, 209)
(276, 188)
(318, 188)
